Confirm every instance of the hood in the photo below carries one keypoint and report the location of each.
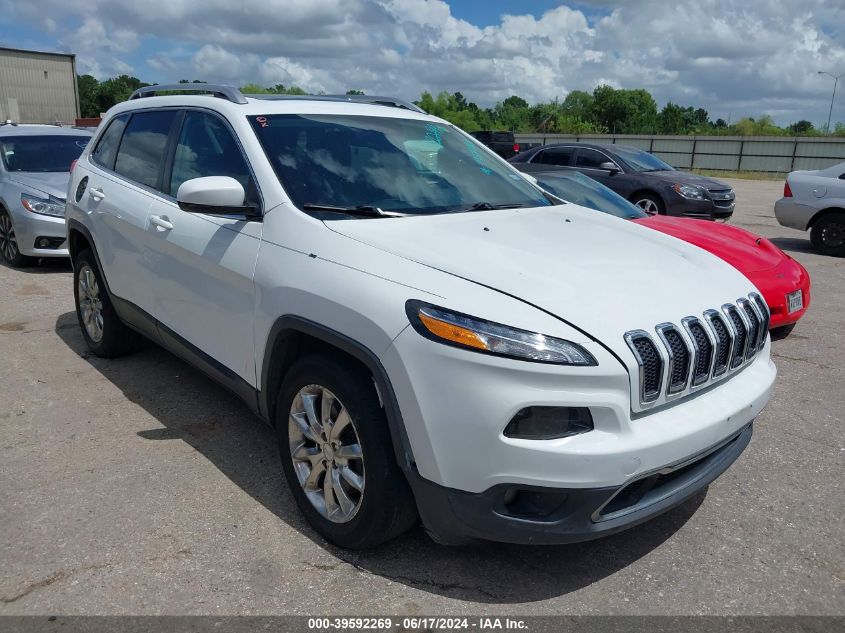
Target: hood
(53, 183)
(742, 249)
(686, 178)
(602, 274)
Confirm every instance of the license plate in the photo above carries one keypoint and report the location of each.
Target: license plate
(795, 301)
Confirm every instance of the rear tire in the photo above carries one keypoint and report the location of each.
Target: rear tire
(650, 203)
(828, 234)
(9, 251)
(103, 331)
(373, 502)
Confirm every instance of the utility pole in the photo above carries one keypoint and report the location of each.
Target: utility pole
(833, 96)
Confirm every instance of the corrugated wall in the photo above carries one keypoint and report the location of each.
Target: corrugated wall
(37, 87)
(730, 153)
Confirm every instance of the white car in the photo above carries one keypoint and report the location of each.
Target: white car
(815, 201)
(428, 332)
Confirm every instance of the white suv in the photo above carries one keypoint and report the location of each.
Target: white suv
(428, 332)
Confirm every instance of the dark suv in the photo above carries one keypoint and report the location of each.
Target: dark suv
(642, 178)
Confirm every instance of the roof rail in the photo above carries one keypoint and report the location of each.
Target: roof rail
(372, 100)
(224, 92)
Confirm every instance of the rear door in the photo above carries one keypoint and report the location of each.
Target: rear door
(203, 264)
(123, 182)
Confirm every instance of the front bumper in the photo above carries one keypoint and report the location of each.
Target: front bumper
(702, 209)
(31, 227)
(531, 515)
(775, 284)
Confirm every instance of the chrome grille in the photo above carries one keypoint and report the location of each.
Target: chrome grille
(682, 359)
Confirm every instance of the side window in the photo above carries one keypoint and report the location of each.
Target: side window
(556, 156)
(590, 158)
(207, 148)
(106, 148)
(141, 153)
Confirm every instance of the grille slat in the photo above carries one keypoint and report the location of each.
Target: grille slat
(679, 357)
(703, 351)
(740, 334)
(753, 327)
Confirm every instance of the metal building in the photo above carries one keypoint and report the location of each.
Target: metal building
(38, 87)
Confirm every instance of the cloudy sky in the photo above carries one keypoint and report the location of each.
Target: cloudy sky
(733, 57)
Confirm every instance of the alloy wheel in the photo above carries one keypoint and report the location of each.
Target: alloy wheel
(649, 206)
(8, 241)
(90, 304)
(326, 453)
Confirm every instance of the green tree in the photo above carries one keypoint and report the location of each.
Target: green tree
(624, 111)
(355, 92)
(88, 87)
(115, 90)
(579, 105)
(801, 128)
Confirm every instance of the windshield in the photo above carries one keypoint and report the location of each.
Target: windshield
(392, 164)
(582, 190)
(640, 160)
(41, 153)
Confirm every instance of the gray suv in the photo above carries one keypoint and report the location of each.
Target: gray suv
(35, 164)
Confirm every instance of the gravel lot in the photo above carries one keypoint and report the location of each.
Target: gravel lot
(138, 486)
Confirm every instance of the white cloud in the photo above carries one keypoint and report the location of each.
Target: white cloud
(729, 56)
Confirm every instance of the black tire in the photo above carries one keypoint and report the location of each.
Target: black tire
(782, 332)
(386, 506)
(652, 200)
(116, 339)
(8, 244)
(828, 234)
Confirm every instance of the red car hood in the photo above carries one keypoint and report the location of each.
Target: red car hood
(743, 250)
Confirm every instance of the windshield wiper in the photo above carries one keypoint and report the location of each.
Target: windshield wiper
(363, 210)
(486, 206)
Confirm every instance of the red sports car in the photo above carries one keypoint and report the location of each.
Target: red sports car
(783, 282)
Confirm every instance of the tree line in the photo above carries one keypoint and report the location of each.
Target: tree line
(605, 110)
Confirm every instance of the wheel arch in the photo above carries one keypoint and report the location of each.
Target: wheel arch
(647, 191)
(820, 214)
(293, 337)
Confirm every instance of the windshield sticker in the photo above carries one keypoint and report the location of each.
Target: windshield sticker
(81, 144)
(433, 133)
(262, 121)
(476, 156)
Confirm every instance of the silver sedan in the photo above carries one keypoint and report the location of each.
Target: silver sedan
(815, 201)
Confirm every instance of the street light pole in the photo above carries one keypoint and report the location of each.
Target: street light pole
(833, 96)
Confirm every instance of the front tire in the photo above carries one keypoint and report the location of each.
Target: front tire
(828, 234)
(337, 454)
(9, 250)
(650, 203)
(103, 331)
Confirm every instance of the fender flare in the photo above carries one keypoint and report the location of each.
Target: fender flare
(293, 324)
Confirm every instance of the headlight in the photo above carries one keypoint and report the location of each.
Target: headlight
(690, 192)
(43, 206)
(461, 330)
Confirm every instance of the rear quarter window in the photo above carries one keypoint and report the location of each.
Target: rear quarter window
(107, 146)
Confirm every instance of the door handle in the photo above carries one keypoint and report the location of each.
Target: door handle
(161, 222)
(96, 193)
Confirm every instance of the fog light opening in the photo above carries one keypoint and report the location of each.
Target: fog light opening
(549, 423)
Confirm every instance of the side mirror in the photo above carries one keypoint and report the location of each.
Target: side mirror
(611, 167)
(215, 195)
